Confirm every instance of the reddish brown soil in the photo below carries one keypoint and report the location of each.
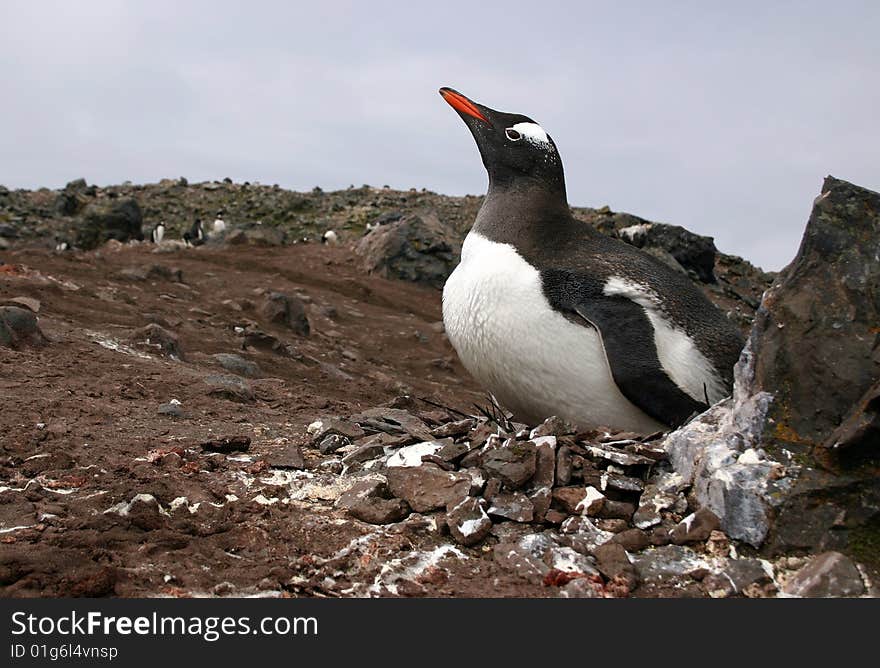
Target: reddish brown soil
(80, 427)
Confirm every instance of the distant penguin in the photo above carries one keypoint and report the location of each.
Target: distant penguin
(195, 236)
(219, 224)
(62, 244)
(330, 237)
(555, 318)
(158, 233)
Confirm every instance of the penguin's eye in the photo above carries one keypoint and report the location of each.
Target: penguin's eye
(512, 134)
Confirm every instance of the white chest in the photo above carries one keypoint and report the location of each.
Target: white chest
(534, 360)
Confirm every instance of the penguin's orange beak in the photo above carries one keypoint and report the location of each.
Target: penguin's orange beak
(460, 103)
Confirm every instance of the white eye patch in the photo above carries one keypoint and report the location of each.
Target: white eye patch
(533, 133)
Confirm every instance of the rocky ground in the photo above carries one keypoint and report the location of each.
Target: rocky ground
(266, 415)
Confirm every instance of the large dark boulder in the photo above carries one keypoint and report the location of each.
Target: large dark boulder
(792, 460)
(416, 248)
(120, 220)
(816, 332)
(19, 328)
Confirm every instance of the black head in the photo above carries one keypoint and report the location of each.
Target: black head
(516, 151)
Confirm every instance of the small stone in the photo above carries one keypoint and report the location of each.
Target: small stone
(468, 522)
(321, 428)
(566, 560)
(515, 506)
(581, 588)
(619, 457)
(541, 499)
(237, 364)
(452, 452)
(617, 510)
(593, 502)
(471, 459)
(379, 511)
(332, 442)
(286, 310)
(695, 527)
(514, 464)
(569, 498)
(367, 500)
(632, 540)
(171, 409)
(454, 429)
(478, 481)
(493, 487)
(481, 434)
(362, 489)
(659, 536)
(426, 487)
(156, 338)
(659, 495)
(413, 455)
(646, 450)
(613, 562)
(613, 525)
(718, 585)
(583, 535)
(552, 426)
(394, 421)
(554, 517)
(667, 566)
(718, 544)
(744, 573)
(828, 575)
(545, 461)
(563, 465)
(230, 387)
(621, 483)
(363, 453)
(446, 466)
(288, 456)
(228, 444)
(525, 556)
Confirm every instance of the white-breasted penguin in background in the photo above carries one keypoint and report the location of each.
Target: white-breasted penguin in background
(158, 233)
(195, 235)
(555, 318)
(219, 225)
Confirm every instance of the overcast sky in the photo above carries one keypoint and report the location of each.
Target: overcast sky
(723, 119)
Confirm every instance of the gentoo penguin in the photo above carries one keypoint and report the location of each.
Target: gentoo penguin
(555, 318)
(195, 235)
(158, 233)
(219, 224)
(330, 237)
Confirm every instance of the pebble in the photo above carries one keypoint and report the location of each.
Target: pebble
(228, 444)
(287, 456)
(695, 527)
(515, 506)
(513, 464)
(613, 562)
(426, 487)
(237, 364)
(171, 409)
(467, 521)
(230, 387)
(828, 575)
(332, 442)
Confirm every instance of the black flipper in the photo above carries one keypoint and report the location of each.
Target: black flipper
(628, 338)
